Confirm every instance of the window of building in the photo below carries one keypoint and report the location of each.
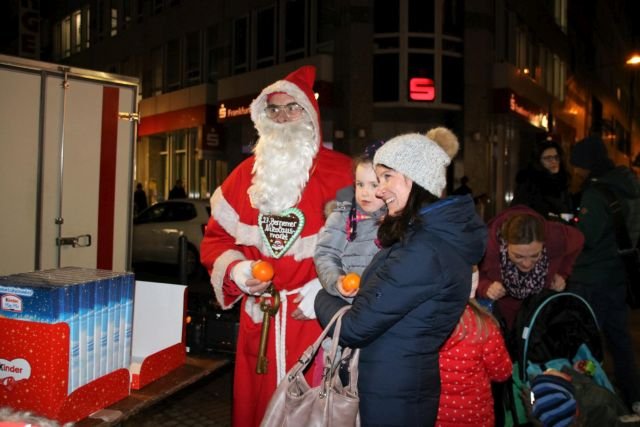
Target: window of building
(560, 14)
(326, 15)
(295, 23)
(526, 52)
(452, 18)
(240, 48)
(57, 40)
(180, 142)
(421, 16)
(421, 65)
(86, 29)
(146, 80)
(156, 71)
(99, 20)
(76, 25)
(192, 58)
(157, 6)
(172, 65)
(265, 37)
(127, 13)
(211, 46)
(142, 6)
(453, 79)
(386, 18)
(409, 43)
(386, 77)
(559, 77)
(114, 18)
(71, 34)
(66, 37)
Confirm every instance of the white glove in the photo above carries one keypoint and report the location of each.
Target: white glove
(308, 293)
(240, 273)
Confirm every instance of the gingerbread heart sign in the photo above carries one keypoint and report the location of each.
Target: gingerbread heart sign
(280, 231)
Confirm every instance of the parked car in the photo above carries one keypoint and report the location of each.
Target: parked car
(157, 231)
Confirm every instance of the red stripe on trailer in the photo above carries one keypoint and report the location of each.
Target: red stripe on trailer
(107, 187)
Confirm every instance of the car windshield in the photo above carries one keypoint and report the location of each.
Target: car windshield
(168, 212)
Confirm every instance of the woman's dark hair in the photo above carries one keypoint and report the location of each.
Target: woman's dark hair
(522, 229)
(540, 148)
(394, 228)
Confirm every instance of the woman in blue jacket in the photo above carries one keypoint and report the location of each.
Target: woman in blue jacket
(415, 289)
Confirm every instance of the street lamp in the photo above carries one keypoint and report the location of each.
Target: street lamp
(634, 59)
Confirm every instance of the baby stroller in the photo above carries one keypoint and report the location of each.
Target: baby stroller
(552, 330)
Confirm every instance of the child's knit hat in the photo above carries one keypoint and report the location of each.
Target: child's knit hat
(554, 402)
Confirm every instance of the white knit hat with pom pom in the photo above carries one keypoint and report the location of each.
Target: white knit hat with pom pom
(422, 158)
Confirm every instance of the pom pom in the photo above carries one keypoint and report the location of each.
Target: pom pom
(445, 139)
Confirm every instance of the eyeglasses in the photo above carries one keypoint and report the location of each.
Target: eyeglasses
(555, 158)
(292, 110)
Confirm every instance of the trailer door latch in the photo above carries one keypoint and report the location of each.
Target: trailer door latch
(82, 241)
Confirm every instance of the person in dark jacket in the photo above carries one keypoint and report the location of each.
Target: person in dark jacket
(544, 185)
(599, 273)
(415, 289)
(139, 199)
(178, 192)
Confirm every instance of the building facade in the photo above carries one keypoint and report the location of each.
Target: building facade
(502, 74)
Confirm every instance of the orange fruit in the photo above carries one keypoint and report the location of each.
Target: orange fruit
(263, 271)
(351, 282)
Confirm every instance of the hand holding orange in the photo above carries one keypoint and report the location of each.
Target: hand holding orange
(263, 271)
(351, 282)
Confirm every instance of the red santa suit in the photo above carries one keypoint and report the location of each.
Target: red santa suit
(234, 234)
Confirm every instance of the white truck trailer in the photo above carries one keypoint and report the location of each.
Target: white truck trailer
(66, 169)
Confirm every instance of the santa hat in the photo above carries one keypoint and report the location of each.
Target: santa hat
(423, 158)
(299, 85)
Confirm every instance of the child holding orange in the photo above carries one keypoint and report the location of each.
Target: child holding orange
(348, 241)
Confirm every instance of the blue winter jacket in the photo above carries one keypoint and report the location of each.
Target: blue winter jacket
(411, 297)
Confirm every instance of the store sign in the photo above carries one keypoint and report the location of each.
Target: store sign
(210, 142)
(211, 138)
(422, 89)
(225, 113)
(537, 119)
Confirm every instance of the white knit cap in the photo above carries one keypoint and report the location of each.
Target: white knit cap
(417, 157)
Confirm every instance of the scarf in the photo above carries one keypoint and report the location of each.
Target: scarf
(517, 283)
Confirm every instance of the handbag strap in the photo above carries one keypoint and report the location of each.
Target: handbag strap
(308, 355)
(615, 207)
(353, 355)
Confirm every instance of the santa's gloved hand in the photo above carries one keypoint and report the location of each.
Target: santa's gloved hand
(240, 273)
(305, 299)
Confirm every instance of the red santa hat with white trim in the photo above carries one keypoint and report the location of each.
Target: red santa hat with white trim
(299, 85)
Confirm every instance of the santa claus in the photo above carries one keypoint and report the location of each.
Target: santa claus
(271, 208)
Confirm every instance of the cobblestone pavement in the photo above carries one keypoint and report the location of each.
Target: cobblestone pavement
(206, 403)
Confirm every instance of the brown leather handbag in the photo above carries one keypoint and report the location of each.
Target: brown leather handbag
(331, 403)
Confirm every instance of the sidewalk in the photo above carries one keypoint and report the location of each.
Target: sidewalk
(206, 403)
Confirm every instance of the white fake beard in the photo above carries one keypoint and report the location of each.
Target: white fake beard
(284, 155)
